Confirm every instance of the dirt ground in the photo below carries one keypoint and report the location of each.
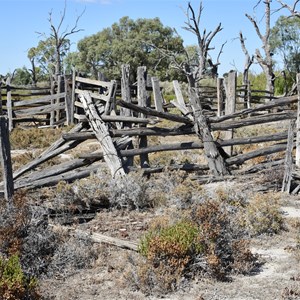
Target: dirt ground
(277, 278)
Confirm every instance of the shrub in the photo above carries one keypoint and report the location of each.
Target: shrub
(129, 193)
(71, 255)
(34, 137)
(82, 195)
(14, 285)
(263, 215)
(208, 242)
(14, 223)
(169, 251)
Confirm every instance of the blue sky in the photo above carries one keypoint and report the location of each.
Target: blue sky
(20, 21)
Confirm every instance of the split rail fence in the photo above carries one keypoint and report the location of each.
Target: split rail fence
(123, 122)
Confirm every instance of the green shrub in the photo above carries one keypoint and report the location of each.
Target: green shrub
(168, 251)
(14, 285)
(178, 240)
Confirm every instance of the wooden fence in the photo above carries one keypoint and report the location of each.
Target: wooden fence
(122, 125)
(37, 106)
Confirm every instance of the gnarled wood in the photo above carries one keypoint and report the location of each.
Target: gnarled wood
(215, 161)
(102, 134)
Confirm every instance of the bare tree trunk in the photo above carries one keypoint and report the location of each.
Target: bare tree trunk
(265, 61)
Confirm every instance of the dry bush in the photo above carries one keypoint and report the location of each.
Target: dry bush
(263, 215)
(71, 255)
(129, 192)
(24, 231)
(83, 195)
(34, 137)
(14, 224)
(22, 159)
(41, 251)
(207, 242)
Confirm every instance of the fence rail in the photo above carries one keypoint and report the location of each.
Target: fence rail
(123, 122)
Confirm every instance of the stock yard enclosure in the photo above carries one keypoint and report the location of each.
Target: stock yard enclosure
(124, 119)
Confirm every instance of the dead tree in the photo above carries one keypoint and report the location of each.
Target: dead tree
(248, 60)
(197, 72)
(195, 69)
(59, 38)
(265, 61)
(291, 8)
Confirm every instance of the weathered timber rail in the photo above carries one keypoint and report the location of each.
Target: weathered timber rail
(123, 124)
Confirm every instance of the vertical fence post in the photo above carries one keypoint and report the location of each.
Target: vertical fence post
(126, 96)
(248, 94)
(298, 124)
(142, 101)
(52, 92)
(220, 96)
(73, 93)
(59, 90)
(6, 159)
(68, 103)
(230, 104)
(125, 89)
(1, 109)
(288, 162)
(158, 99)
(9, 105)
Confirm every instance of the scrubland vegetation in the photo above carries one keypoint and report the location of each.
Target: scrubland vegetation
(189, 232)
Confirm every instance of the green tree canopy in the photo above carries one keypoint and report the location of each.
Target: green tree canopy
(134, 42)
(285, 41)
(21, 76)
(45, 54)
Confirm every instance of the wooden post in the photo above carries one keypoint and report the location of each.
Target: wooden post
(73, 92)
(142, 101)
(298, 124)
(110, 153)
(248, 94)
(216, 162)
(125, 90)
(230, 103)
(111, 103)
(178, 93)
(220, 96)
(126, 96)
(9, 105)
(57, 101)
(158, 99)
(52, 92)
(288, 163)
(6, 159)
(1, 109)
(68, 104)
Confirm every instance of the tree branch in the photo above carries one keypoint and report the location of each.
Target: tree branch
(292, 9)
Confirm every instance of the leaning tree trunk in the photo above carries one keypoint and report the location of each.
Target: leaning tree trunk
(216, 162)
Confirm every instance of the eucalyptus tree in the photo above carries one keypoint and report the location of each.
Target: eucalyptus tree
(285, 41)
(134, 42)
